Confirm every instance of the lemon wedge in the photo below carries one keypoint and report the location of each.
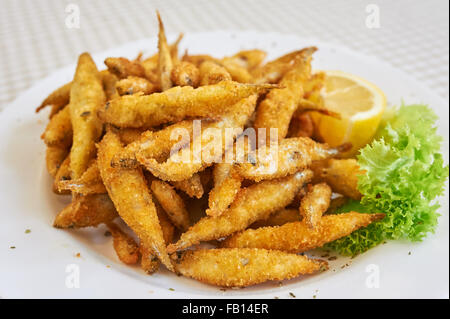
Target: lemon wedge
(361, 105)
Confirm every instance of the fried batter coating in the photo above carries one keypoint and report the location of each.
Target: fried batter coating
(249, 59)
(59, 129)
(315, 203)
(198, 59)
(89, 183)
(220, 172)
(172, 204)
(124, 245)
(279, 218)
(63, 174)
(175, 168)
(109, 81)
(227, 183)
(238, 73)
(86, 97)
(59, 98)
(167, 227)
(192, 186)
(150, 64)
(273, 71)
(314, 84)
(54, 156)
(130, 194)
(298, 237)
(177, 103)
(287, 157)
(173, 52)
(174, 49)
(340, 174)
(134, 84)
(212, 73)
(149, 262)
(86, 211)
(129, 135)
(313, 93)
(155, 144)
(185, 74)
(165, 64)
(242, 267)
(123, 68)
(276, 110)
(301, 126)
(305, 105)
(336, 203)
(256, 202)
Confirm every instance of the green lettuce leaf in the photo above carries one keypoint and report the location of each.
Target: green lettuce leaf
(405, 173)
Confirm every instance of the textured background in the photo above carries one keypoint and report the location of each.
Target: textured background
(35, 41)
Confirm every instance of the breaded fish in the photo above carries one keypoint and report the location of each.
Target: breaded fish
(123, 68)
(192, 186)
(89, 183)
(185, 74)
(149, 262)
(203, 151)
(298, 237)
(242, 267)
(276, 110)
(212, 73)
(54, 157)
(156, 144)
(274, 70)
(165, 64)
(256, 202)
(133, 84)
(249, 59)
(227, 183)
(281, 217)
(178, 103)
(315, 203)
(130, 194)
(59, 98)
(59, 129)
(62, 174)
(86, 98)
(340, 174)
(86, 211)
(286, 157)
(126, 248)
(172, 203)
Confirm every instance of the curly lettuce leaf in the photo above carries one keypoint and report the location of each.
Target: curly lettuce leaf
(405, 173)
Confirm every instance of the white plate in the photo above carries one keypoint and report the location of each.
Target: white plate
(37, 266)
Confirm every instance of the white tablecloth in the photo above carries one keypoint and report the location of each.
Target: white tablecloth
(35, 38)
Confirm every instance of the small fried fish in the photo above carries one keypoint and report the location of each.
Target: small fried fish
(126, 248)
(242, 267)
(256, 202)
(86, 211)
(131, 196)
(315, 203)
(298, 237)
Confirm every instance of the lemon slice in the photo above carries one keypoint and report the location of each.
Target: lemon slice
(361, 105)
